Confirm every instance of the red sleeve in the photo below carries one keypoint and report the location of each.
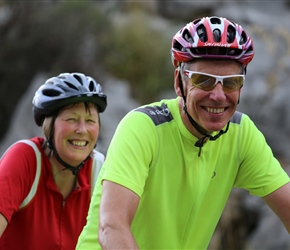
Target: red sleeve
(17, 173)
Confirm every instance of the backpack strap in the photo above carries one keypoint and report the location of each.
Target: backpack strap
(96, 168)
(33, 189)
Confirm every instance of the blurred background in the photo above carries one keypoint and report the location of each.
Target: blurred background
(125, 46)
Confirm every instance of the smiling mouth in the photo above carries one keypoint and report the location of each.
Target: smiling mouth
(78, 143)
(215, 110)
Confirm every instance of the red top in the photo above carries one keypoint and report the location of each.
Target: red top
(48, 221)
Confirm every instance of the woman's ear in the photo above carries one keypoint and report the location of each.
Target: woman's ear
(177, 81)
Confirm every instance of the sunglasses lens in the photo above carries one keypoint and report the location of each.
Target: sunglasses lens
(203, 81)
(233, 83)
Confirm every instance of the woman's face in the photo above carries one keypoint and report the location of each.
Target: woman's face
(76, 131)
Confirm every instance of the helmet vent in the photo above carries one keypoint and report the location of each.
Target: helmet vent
(79, 79)
(51, 92)
(177, 46)
(92, 86)
(215, 20)
(187, 36)
(243, 38)
(196, 21)
(217, 35)
(231, 34)
(70, 85)
(201, 31)
(49, 82)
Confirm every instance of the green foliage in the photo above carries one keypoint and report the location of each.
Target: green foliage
(47, 37)
(68, 36)
(140, 54)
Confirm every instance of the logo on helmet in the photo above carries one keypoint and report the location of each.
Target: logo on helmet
(217, 45)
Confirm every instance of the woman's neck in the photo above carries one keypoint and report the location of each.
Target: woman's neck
(64, 179)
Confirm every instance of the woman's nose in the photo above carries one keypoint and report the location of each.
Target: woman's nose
(81, 127)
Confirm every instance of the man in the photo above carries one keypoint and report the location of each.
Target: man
(172, 164)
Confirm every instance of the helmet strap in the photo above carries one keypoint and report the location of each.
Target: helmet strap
(199, 129)
(74, 170)
(50, 145)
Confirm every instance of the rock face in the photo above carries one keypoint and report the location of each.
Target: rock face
(247, 222)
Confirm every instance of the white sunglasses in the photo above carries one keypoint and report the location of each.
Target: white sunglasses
(208, 82)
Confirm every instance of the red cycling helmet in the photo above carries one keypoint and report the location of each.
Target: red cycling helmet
(211, 37)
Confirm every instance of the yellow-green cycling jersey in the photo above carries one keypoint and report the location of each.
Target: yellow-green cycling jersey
(182, 194)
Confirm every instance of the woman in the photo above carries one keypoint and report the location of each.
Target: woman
(46, 183)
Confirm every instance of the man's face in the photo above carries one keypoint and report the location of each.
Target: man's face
(211, 109)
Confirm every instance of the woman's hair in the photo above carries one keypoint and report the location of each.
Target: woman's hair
(47, 126)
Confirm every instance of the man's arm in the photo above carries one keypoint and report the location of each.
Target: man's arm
(117, 210)
(279, 202)
(3, 224)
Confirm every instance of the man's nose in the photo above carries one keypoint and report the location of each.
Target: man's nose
(218, 93)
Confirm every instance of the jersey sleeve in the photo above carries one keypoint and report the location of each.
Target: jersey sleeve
(17, 172)
(260, 172)
(130, 153)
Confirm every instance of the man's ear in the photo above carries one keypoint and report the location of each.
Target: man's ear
(177, 81)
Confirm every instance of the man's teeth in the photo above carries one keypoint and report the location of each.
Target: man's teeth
(79, 143)
(215, 110)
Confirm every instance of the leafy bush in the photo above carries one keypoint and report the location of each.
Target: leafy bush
(47, 37)
(140, 54)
